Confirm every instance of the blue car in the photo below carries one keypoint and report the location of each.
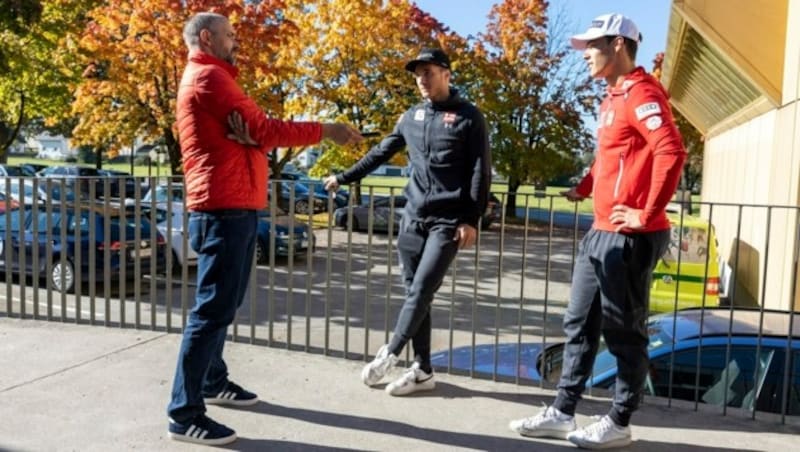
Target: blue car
(708, 365)
(108, 233)
(340, 197)
(293, 241)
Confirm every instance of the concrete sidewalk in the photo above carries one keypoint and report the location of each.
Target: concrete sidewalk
(86, 388)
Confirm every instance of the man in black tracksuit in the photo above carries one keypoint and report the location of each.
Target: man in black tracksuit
(447, 192)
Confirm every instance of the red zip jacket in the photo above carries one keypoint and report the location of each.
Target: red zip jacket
(639, 153)
(221, 173)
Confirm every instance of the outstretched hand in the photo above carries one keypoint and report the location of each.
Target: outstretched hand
(342, 134)
(240, 132)
(331, 183)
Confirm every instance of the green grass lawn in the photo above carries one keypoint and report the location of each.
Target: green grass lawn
(383, 184)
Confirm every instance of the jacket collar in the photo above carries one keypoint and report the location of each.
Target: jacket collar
(635, 76)
(200, 57)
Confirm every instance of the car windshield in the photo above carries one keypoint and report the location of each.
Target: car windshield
(160, 193)
(606, 361)
(692, 243)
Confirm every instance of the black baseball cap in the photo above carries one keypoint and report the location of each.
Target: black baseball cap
(429, 55)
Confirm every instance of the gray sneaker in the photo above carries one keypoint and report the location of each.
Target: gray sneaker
(378, 367)
(603, 434)
(548, 423)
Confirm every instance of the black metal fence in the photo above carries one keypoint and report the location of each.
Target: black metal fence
(326, 280)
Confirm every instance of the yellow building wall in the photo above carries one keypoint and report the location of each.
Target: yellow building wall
(749, 32)
(757, 162)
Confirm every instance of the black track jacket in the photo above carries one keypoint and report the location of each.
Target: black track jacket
(448, 151)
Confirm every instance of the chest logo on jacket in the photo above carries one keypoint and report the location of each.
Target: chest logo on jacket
(419, 115)
(449, 119)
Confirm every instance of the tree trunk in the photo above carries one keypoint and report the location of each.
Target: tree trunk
(14, 133)
(174, 153)
(511, 201)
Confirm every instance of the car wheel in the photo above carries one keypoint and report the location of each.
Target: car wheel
(62, 277)
(485, 223)
(301, 207)
(355, 224)
(261, 253)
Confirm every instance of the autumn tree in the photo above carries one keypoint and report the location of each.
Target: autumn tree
(352, 65)
(535, 93)
(37, 64)
(134, 57)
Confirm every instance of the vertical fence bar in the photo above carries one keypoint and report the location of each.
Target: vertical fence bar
(523, 270)
(35, 243)
(90, 214)
(370, 226)
(761, 311)
(137, 266)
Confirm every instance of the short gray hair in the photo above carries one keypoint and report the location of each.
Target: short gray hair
(198, 23)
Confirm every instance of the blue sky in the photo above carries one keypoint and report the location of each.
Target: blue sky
(652, 16)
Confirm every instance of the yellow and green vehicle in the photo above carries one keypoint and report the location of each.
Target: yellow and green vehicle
(688, 274)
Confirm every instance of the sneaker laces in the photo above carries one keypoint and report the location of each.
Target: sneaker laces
(599, 428)
(547, 412)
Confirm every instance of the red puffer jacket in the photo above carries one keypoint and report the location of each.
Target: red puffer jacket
(221, 173)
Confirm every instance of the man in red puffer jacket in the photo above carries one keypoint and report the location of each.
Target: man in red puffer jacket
(224, 140)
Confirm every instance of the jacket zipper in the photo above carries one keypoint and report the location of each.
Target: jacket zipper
(619, 177)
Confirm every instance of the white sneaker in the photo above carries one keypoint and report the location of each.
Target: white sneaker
(414, 379)
(378, 367)
(548, 423)
(603, 434)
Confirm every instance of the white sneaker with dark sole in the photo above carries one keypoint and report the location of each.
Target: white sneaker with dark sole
(413, 380)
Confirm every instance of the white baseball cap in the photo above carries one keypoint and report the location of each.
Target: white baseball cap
(607, 25)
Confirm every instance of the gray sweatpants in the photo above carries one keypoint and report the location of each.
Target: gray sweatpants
(426, 251)
(610, 295)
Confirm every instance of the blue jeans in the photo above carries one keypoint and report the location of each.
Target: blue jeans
(224, 241)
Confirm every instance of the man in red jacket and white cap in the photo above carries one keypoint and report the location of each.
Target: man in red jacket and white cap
(224, 140)
(636, 169)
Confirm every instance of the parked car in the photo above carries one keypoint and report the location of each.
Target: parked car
(32, 169)
(299, 237)
(88, 225)
(169, 221)
(11, 171)
(164, 192)
(710, 358)
(80, 178)
(304, 201)
(45, 192)
(382, 210)
(493, 213)
(7, 203)
(119, 179)
(689, 271)
(340, 197)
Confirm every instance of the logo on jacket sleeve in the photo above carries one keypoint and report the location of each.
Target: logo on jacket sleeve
(653, 122)
(419, 115)
(648, 109)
